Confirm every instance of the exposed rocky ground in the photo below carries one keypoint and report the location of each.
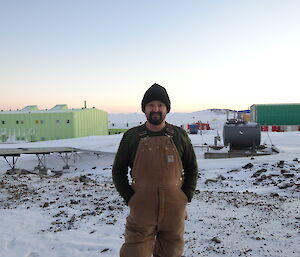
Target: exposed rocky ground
(226, 218)
(243, 224)
(275, 176)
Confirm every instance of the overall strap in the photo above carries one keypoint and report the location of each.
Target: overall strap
(169, 130)
(143, 131)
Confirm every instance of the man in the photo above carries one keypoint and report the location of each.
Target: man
(164, 174)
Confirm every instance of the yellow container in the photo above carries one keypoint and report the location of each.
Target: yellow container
(246, 117)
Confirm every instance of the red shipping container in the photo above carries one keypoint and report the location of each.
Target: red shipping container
(276, 129)
(264, 128)
(203, 126)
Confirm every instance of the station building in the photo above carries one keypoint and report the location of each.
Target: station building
(31, 124)
(277, 117)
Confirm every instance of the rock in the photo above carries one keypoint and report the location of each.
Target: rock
(18, 171)
(248, 166)
(88, 214)
(234, 170)
(216, 240)
(274, 175)
(214, 180)
(45, 205)
(274, 195)
(57, 173)
(262, 178)
(258, 173)
(259, 238)
(111, 208)
(288, 175)
(84, 179)
(221, 177)
(285, 185)
(280, 164)
(210, 180)
(284, 171)
(71, 221)
(43, 171)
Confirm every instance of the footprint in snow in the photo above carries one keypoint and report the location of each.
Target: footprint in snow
(32, 254)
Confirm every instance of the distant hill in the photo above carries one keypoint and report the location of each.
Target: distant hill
(216, 117)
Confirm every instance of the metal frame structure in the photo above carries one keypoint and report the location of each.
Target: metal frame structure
(40, 153)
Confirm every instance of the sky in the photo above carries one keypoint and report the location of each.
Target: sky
(207, 54)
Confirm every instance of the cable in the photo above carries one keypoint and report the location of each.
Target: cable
(269, 138)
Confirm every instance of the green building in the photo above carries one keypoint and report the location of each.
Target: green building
(116, 131)
(276, 114)
(31, 124)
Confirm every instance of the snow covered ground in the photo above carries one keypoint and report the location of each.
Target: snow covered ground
(242, 206)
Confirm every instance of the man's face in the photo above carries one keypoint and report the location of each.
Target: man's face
(156, 112)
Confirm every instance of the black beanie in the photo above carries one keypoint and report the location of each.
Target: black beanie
(156, 93)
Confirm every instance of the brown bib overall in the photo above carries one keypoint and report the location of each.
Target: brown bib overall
(157, 208)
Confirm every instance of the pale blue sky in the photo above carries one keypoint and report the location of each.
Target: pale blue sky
(208, 54)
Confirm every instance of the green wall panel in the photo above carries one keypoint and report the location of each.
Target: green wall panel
(36, 125)
(276, 114)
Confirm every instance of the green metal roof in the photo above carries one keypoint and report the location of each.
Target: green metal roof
(60, 108)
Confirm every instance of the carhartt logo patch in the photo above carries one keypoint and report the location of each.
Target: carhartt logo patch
(170, 158)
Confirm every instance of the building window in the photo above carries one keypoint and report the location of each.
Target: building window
(42, 122)
(42, 139)
(57, 121)
(22, 121)
(3, 122)
(17, 121)
(68, 121)
(36, 122)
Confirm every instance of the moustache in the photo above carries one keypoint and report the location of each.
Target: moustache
(153, 113)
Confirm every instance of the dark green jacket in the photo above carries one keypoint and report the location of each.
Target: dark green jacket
(126, 155)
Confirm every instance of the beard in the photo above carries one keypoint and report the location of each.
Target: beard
(155, 118)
